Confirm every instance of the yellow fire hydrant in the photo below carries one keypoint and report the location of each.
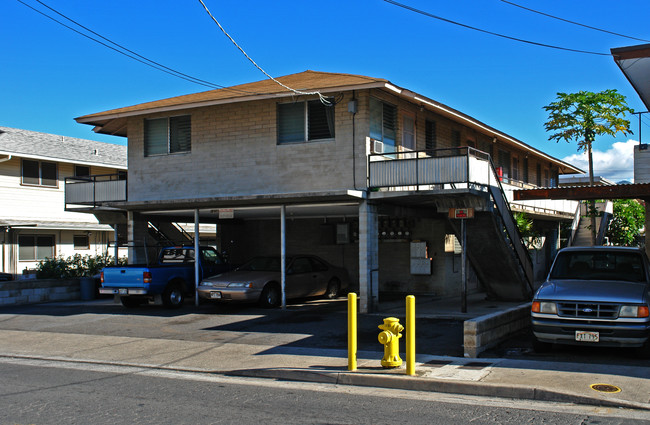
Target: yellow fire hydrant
(390, 336)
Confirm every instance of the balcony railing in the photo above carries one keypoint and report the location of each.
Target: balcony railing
(95, 190)
(420, 170)
(452, 168)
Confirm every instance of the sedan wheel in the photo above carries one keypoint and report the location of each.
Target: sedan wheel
(333, 289)
(270, 296)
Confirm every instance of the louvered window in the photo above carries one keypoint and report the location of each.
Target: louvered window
(167, 135)
(305, 122)
(383, 123)
(430, 137)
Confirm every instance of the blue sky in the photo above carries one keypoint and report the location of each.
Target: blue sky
(49, 74)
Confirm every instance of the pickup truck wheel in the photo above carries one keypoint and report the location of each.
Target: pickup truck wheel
(541, 347)
(130, 302)
(173, 296)
(333, 289)
(270, 296)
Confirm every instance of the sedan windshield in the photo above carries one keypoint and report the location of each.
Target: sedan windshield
(266, 264)
(599, 265)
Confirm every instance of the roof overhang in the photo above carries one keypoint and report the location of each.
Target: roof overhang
(634, 61)
(114, 122)
(619, 191)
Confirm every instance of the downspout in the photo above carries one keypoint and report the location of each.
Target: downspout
(6, 159)
(352, 108)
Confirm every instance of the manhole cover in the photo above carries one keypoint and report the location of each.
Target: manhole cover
(605, 388)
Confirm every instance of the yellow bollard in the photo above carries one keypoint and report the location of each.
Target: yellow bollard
(410, 335)
(352, 331)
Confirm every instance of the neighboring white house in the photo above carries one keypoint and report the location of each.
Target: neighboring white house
(34, 224)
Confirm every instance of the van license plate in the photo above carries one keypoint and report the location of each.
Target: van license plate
(585, 336)
(123, 291)
(215, 294)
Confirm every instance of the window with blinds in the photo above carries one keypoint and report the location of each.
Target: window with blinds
(163, 136)
(301, 122)
(430, 136)
(383, 123)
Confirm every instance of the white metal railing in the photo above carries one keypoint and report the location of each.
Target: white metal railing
(451, 167)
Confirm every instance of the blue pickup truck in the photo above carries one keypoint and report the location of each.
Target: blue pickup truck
(166, 282)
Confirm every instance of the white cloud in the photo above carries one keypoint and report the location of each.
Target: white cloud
(615, 164)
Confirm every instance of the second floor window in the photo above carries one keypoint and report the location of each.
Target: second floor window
(39, 173)
(301, 122)
(164, 136)
(383, 123)
(430, 136)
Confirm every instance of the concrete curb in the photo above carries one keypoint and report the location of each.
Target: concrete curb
(404, 382)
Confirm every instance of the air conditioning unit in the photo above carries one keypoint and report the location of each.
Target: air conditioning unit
(377, 146)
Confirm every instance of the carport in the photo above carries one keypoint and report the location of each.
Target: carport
(230, 212)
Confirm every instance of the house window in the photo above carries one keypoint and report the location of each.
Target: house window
(33, 247)
(539, 175)
(301, 122)
(81, 171)
(164, 136)
(430, 137)
(515, 168)
(408, 132)
(546, 178)
(455, 138)
(526, 170)
(504, 162)
(383, 120)
(81, 242)
(39, 173)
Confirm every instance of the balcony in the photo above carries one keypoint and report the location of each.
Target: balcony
(94, 191)
(454, 168)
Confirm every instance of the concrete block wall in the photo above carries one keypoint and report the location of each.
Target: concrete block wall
(33, 291)
(487, 331)
(235, 152)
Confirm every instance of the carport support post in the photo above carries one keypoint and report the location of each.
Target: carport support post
(368, 257)
(283, 254)
(197, 256)
(463, 266)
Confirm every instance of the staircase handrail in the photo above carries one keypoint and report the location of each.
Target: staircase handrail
(503, 208)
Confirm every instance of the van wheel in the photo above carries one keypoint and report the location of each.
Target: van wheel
(130, 302)
(270, 296)
(173, 296)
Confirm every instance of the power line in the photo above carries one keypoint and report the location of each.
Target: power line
(421, 12)
(323, 99)
(573, 22)
(125, 51)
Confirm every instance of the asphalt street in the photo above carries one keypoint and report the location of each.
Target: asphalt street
(69, 393)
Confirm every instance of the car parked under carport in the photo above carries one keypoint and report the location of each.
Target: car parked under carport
(258, 280)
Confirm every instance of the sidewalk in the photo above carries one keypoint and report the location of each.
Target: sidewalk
(520, 379)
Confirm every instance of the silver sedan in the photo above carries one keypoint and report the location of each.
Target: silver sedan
(258, 280)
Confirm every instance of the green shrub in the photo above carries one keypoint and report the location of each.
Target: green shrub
(74, 266)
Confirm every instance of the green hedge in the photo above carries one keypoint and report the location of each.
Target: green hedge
(75, 266)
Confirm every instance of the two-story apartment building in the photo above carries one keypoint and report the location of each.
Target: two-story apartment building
(365, 178)
(34, 224)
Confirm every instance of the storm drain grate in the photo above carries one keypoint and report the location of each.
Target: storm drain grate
(605, 388)
(437, 363)
(475, 365)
